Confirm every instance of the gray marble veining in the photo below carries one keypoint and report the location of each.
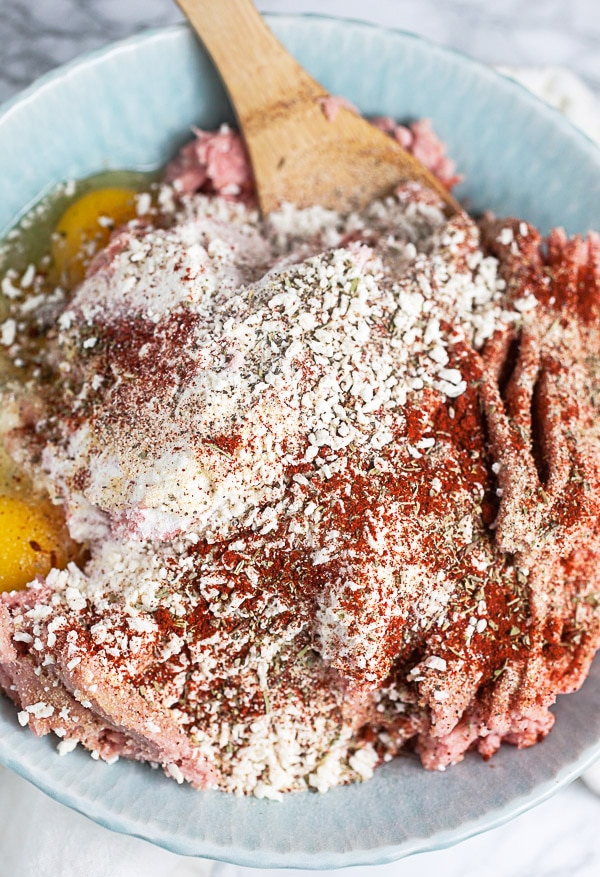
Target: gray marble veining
(36, 35)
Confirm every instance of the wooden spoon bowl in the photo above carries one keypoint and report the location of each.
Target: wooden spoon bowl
(300, 153)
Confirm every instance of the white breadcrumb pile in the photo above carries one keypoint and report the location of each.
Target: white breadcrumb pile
(251, 427)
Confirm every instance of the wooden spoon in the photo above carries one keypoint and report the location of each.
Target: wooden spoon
(298, 154)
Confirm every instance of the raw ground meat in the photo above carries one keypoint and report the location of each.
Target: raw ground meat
(339, 478)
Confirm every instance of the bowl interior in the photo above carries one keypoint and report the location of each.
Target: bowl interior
(131, 106)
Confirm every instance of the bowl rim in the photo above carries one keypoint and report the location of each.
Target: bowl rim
(240, 855)
(114, 47)
(23, 95)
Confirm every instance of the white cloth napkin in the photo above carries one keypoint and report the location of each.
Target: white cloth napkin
(41, 838)
(563, 90)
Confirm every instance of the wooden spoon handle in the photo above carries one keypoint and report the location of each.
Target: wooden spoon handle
(299, 153)
(259, 74)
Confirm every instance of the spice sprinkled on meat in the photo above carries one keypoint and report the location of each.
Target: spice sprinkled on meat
(337, 479)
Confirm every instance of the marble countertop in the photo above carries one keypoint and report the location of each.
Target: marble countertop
(36, 35)
(560, 837)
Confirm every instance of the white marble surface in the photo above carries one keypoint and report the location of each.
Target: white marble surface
(560, 838)
(35, 35)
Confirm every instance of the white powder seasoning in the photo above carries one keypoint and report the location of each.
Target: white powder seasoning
(315, 352)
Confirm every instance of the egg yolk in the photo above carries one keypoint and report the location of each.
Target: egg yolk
(85, 228)
(33, 539)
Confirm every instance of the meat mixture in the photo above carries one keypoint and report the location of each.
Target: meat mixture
(336, 478)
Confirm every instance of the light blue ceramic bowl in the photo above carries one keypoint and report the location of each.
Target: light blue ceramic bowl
(130, 106)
